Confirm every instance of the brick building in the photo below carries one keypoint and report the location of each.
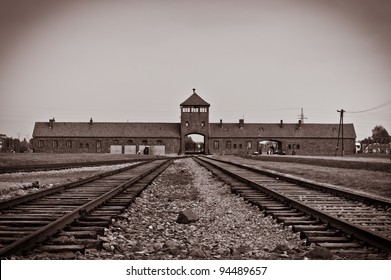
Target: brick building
(169, 138)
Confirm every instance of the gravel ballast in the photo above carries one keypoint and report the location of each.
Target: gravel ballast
(227, 227)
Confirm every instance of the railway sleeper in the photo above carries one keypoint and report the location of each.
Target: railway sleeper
(100, 212)
(359, 252)
(299, 222)
(304, 218)
(268, 206)
(8, 240)
(277, 214)
(62, 248)
(323, 239)
(98, 230)
(80, 234)
(89, 218)
(41, 217)
(13, 233)
(24, 223)
(315, 233)
(338, 245)
(92, 223)
(313, 227)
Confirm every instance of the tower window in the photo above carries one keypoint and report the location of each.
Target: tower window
(203, 109)
(194, 110)
(202, 123)
(187, 123)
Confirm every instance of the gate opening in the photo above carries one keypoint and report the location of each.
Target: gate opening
(270, 147)
(194, 144)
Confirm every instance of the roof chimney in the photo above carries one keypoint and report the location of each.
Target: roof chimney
(221, 122)
(281, 123)
(193, 90)
(51, 122)
(91, 121)
(241, 123)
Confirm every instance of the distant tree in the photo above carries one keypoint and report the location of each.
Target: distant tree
(380, 135)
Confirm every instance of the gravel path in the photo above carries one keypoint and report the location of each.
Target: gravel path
(228, 227)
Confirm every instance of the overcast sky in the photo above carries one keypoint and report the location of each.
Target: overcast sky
(136, 61)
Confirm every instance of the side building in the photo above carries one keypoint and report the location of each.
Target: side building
(169, 138)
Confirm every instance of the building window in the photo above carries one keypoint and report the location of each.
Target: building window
(216, 144)
(240, 146)
(159, 142)
(98, 144)
(298, 146)
(234, 146)
(129, 142)
(68, 144)
(289, 146)
(202, 123)
(55, 144)
(40, 143)
(228, 145)
(87, 145)
(81, 145)
(145, 141)
(249, 145)
(115, 141)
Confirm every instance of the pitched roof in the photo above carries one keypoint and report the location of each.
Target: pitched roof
(195, 100)
(274, 130)
(107, 129)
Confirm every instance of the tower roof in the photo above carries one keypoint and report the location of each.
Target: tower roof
(195, 100)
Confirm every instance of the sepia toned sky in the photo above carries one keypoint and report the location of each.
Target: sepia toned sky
(136, 61)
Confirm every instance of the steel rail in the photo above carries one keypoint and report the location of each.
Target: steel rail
(313, 185)
(41, 193)
(355, 231)
(58, 166)
(41, 234)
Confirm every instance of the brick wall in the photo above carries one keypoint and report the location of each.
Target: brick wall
(90, 145)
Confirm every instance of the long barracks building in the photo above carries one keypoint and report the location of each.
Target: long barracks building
(172, 138)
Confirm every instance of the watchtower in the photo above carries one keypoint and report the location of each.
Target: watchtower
(195, 120)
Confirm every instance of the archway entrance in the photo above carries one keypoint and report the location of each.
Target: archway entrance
(270, 147)
(194, 144)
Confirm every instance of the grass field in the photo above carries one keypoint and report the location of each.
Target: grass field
(9, 159)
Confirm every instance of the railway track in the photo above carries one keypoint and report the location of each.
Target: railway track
(71, 217)
(59, 166)
(348, 224)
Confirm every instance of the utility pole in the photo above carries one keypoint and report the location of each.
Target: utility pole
(302, 116)
(340, 131)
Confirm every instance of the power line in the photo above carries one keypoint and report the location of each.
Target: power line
(371, 109)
